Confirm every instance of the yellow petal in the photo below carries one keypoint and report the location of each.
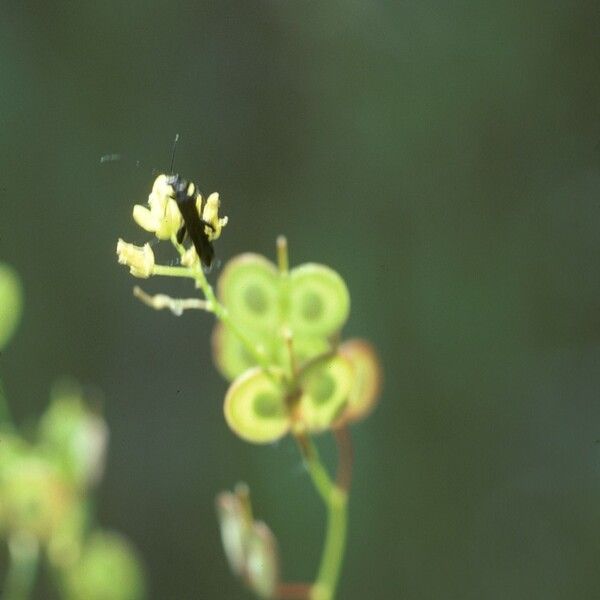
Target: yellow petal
(140, 260)
(144, 218)
(161, 187)
(169, 220)
(211, 215)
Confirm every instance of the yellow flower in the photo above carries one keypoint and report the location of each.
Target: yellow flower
(139, 259)
(210, 214)
(189, 258)
(163, 217)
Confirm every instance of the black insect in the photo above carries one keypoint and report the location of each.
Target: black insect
(185, 194)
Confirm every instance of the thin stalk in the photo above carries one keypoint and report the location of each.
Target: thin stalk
(283, 264)
(168, 271)
(335, 497)
(283, 261)
(175, 305)
(318, 473)
(335, 544)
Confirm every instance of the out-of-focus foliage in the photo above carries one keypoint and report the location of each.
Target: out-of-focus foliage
(45, 490)
(106, 569)
(10, 303)
(74, 435)
(46, 480)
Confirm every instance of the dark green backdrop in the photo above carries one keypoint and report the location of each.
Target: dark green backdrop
(443, 156)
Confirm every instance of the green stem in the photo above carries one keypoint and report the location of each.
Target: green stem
(318, 473)
(335, 543)
(22, 570)
(173, 271)
(335, 498)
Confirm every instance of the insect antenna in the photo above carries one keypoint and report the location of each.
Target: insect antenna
(171, 166)
(173, 153)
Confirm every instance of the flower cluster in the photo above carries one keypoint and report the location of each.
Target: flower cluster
(163, 218)
(277, 338)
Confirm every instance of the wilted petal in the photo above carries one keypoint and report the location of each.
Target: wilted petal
(140, 260)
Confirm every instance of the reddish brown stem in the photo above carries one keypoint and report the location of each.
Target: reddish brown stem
(293, 591)
(345, 457)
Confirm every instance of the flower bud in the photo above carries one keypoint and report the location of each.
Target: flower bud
(210, 214)
(139, 259)
(250, 546)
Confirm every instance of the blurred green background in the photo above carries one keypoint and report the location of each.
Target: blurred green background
(444, 157)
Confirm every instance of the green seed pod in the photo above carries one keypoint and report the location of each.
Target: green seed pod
(325, 387)
(11, 300)
(305, 349)
(319, 300)
(255, 407)
(249, 289)
(230, 355)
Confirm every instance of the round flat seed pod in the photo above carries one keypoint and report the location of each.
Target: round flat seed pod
(319, 300)
(248, 287)
(306, 348)
(255, 407)
(325, 388)
(230, 355)
(367, 380)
